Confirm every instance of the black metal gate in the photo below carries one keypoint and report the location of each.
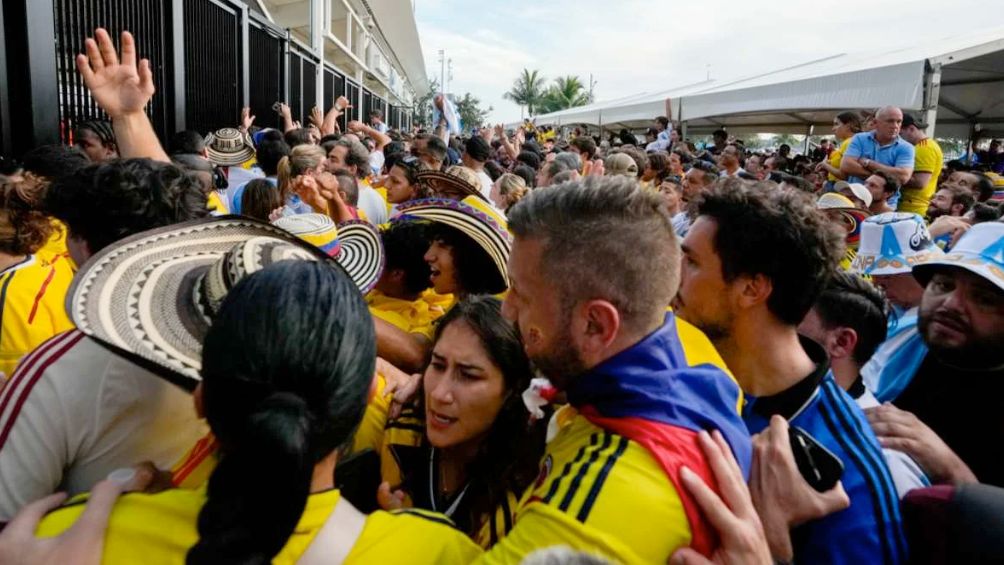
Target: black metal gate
(266, 72)
(213, 52)
(208, 57)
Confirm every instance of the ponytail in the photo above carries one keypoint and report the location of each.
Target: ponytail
(285, 177)
(278, 407)
(259, 489)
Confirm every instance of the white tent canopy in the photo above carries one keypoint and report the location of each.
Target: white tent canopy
(955, 81)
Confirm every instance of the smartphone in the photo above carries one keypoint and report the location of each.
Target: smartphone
(817, 465)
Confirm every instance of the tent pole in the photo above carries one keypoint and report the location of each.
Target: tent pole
(683, 131)
(932, 94)
(808, 133)
(600, 119)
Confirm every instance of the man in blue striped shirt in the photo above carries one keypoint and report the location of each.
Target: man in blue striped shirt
(755, 260)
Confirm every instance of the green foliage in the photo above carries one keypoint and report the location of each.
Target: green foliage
(471, 113)
(565, 92)
(421, 112)
(527, 90)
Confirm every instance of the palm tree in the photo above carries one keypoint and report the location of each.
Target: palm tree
(565, 92)
(527, 90)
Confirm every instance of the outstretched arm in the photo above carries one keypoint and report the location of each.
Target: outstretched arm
(122, 88)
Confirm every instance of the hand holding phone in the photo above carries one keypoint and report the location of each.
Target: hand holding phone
(817, 465)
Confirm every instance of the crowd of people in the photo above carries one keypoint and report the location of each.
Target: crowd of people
(308, 345)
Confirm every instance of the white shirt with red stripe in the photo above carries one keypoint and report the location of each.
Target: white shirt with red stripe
(74, 411)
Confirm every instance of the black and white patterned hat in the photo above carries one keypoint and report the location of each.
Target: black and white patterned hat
(152, 296)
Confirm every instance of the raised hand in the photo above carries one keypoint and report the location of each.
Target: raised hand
(247, 120)
(315, 118)
(342, 104)
(355, 126)
(120, 87)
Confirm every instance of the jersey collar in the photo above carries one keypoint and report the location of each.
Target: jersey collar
(789, 402)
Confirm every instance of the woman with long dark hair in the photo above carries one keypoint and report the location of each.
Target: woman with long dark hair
(281, 408)
(477, 450)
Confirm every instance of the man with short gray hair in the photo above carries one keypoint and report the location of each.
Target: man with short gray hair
(881, 149)
(593, 267)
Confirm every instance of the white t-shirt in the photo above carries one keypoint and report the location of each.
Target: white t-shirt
(74, 411)
(373, 204)
(486, 185)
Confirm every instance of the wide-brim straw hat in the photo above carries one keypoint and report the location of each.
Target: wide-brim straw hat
(152, 296)
(229, 147)
(840, 204)
(473, 217)
(356, 245)
(439, 182)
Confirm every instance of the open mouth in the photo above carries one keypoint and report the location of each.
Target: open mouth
(437, 420)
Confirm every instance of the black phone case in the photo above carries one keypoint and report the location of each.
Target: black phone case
(817, 465)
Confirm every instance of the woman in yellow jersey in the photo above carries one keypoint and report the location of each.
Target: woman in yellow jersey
(32, 287)
(845, 125)
(281, 410)
(478, 451)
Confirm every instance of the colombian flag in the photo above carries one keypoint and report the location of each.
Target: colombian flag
(651, 395)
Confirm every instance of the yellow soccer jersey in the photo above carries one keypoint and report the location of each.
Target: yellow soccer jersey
(836, 156)
(32, 306)
(928, 159)
(160, 529)
(215, 203)
(56, 246)
(411, 316)
(597, 492)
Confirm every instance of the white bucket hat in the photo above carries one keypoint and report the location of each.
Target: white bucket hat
(980, 251)
(892, 243)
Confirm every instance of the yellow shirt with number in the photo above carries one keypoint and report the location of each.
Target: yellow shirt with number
(161, 528)
(928, 159)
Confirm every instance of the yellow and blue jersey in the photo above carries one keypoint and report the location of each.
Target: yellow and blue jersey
(161, 528)
(609, 478)
(32, 306)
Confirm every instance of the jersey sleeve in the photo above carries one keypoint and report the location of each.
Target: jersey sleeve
(34, 443)
(927, 159)
(369, 434)
(905, 157)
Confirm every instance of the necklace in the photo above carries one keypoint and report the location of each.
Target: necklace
(432, 488)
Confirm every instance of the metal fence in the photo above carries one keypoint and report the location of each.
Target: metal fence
(209, 58)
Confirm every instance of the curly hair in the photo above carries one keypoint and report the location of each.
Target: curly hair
(775, 233)
(106, 202)
(23, 228)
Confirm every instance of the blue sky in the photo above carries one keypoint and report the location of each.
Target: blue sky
(633, 46)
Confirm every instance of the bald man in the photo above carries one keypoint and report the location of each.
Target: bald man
(881, 149)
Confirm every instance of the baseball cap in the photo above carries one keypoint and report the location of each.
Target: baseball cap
(911, 120)
(857, 189)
